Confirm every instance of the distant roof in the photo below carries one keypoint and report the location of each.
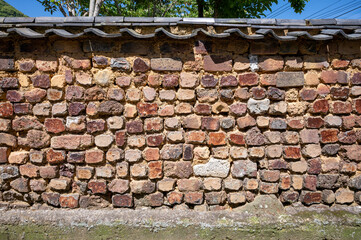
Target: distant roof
(280, 29)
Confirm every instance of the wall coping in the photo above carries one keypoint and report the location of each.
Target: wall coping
(252, 29)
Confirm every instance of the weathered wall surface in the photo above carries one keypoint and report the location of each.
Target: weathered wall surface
(202, 122)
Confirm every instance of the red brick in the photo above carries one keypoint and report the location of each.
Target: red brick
(356, 79)
(170, 81)
(340, 93)
(69, 200)
(314, 166)
(331, 77)
(4, 153)
(94, 156)
(55, 157)
(155, 170)
(278, 164)
(357, 103)
(228, 81)
(309, 198)
(29, 170)
(134, 126)
(308, 94)
(74, 93)
(270, 175)
(120, 138)
(153, 124)
(214, 63)
(151, 154)
(147, 109)
(238, 109)
(348, 122)
(97, 186)
(236, 138)
(341, 107)
(310, 182)
(41, 81)
(295, 123)
(292, 152)
(202, 109)
(155, 140)
(209, 81)
(348, 137)
(14, 96)
(258, 93)
(248, 79)
(6, 109)
(125, 200)
(195, 198)
(320, 106)
(49, 172)
(76, 108)
(94, 126)
(329, 135)
(268, 188)
(195, 137)
(246, 122)
(217, 138)
(210, 123)
(340, 63)
(175, 198)
(54, 125)
(22, 108)
(314, 122)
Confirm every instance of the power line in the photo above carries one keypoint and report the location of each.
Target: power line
(335, 10)
(348, 11)
(282, 11)
(315, 13)
(278, 10)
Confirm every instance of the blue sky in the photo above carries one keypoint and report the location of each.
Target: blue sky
(327, 8)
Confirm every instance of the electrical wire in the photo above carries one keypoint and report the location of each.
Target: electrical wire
(278, 10)
(336, 10)
(323, 9)
(287, 9)
(348, 12)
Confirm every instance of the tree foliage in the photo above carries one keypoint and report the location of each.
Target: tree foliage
(167, 8)
(7, 10)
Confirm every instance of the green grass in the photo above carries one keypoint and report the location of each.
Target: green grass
(6, 10)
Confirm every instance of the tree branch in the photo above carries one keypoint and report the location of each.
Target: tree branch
(62, 11)
(91, 8)
(98, 4)
(117, 5)
(170, 7)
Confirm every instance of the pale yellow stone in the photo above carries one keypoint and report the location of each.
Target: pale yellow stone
(297, 108)
(58, 81)
(312, 78)
(297, 182)
(23, 80)
(292, 95)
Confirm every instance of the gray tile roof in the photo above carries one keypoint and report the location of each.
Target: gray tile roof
(72, 27)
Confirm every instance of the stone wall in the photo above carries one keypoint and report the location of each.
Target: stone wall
(202, 123)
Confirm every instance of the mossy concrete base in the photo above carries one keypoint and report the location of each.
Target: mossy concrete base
(262, 219)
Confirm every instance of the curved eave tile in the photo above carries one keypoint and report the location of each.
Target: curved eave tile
(63, 33)
(242, 34)
(3, 34)
(273, 34)
(133, 33)
(320, 37)
(335, 32)
(26, 32)
(101, 33)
